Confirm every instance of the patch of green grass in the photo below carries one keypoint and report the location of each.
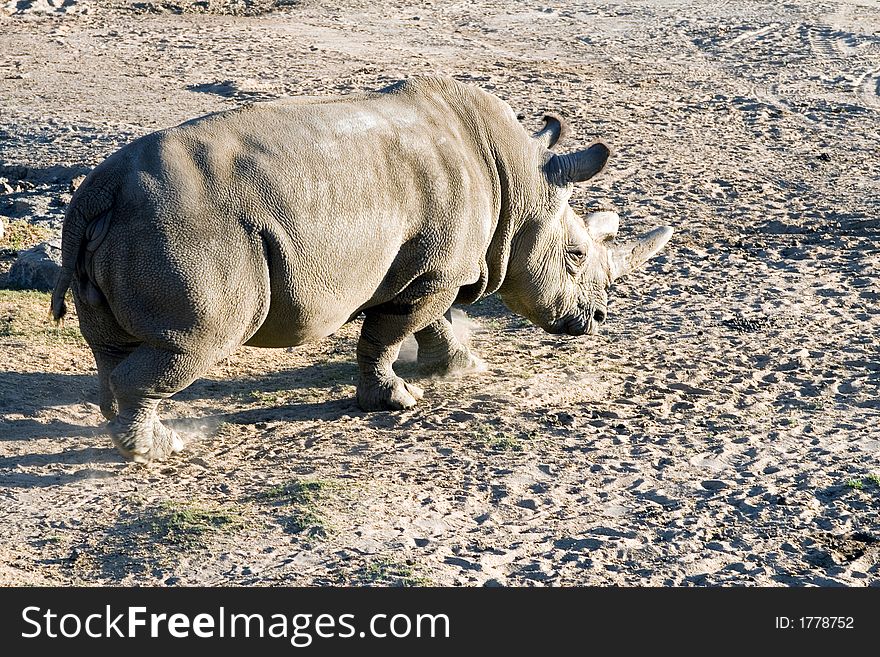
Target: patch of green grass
(272, 398)
(386, 572)
(22, 235)
(495, 440)
(501, 443)
(862, 483)
(49, 540)
(301, 503)
(25, 314)
(153, 537)
(24, 297)
(188, 525)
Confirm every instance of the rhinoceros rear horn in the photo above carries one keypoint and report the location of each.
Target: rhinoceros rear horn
(577, 167)
(629, 255)
(555, 128)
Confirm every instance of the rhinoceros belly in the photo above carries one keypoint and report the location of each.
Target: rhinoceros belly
(289, 326)
(313, 291)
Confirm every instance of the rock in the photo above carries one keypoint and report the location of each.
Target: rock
(2, 229)
(17, 208)
(45, 6)
(14, 172)
(75, 182)
(37, 268)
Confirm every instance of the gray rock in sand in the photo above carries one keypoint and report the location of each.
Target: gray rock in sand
(37, 268)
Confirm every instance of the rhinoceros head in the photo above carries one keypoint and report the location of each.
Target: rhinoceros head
(561, 264)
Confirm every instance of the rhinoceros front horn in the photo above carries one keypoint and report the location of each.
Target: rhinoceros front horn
(629, 255)
(577, 167)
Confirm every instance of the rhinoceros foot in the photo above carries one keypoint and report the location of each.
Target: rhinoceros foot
(144, 439)
(393, 394)
(458, 362)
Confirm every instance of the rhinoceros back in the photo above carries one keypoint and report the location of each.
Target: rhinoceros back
(326, 207)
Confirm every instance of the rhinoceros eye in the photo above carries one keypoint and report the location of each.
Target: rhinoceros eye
(578, 253)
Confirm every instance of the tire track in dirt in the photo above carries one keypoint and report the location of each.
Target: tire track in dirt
(753, 34)
(868, 85)
(829, 75)
(822, 41)
(856, 58)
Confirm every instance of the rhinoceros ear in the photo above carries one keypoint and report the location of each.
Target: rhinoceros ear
(577, 167)
(602, 226)
(630, 255)
(555, 128)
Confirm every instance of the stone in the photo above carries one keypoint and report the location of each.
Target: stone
(75, 182)
(16, 208)
(37, 268)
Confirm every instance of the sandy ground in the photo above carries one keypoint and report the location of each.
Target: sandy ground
(722, 431)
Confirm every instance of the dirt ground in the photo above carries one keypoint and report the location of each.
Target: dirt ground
(723, 430)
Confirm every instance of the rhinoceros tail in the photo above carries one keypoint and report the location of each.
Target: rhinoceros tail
(59, 307)
(85, 226)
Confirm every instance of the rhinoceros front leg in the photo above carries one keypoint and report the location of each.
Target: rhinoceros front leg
(441, 352)
(379, 388)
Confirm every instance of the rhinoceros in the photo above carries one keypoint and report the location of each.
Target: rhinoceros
(275, 224)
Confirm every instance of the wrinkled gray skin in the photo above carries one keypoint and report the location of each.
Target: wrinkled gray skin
(275, 224)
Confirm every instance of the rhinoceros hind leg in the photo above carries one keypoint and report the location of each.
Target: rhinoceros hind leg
(107, 359)
(140, 436)
(441, 352)
(139, 383)
(110, 346)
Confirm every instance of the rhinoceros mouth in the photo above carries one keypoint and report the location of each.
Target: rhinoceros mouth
(583, 323)
(579, 326)
(571, 326)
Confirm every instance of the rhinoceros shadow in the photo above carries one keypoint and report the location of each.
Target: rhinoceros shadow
(29, 394)
(319, 374)
(89, 457)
